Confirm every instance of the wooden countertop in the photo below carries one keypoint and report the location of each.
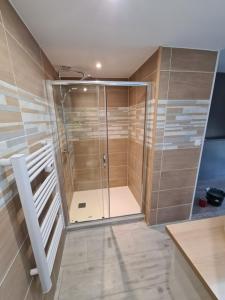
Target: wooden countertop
(202, 243)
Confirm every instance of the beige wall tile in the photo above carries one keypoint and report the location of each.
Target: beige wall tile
(6, 72)
(12, 232)
(117, 96)
(147, 68)
(86, 147)
(117, 172)
(132, 96)
(118, 182)
(163, 85)
(177, 178)
(171, 214)
(180, 159)
(18, 278)
(28, 75)
(175, 197)
(16, 27)
(155, 181)
(118, 159)
(87, 161)
(165, 58)
(87, 99)
(117, 145)
(152, 220)
(190, 85)
(87, 174)
(193, 60)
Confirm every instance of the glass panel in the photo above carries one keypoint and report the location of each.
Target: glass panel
(85, 125)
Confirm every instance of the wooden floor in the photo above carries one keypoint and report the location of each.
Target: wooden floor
(128, 261)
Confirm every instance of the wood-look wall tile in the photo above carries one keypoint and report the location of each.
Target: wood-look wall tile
(118, 159)
(155, 181)
(180, 159)
(88, 185)
(140, 94)
(18, 278)
(190, 85)
(80, 99)
(118, 182)
(117, 145)
(172, 214)
(157, 160)
(177, 178)
(152, 219)
(175, 197)
(117, 172)
(87, 174)
(6, 72)
(163, 84)
(86, 147)
(193, 60)
(147, 68)
(28, 75)
(117, 96)
(87, 161)
(12, 231)
(132, 96)
(165, 58)
(16, 27)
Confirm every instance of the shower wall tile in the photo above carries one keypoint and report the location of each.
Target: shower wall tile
(87, 131)
(6, 73)
(190, 85)
(28, 75)
(177, 178)
(137, 107)
(193, 60)
(117, 96)
(175, 197)
(26, 117)
(169, 214)
(14, 25)
(118, 145)
(180, 159)
(182, 83)
(118, 159)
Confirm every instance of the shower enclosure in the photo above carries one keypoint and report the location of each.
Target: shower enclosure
(102, 141)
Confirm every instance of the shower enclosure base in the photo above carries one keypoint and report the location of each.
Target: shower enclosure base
(96, 206)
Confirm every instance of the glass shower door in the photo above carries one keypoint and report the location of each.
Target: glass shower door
(87, 132)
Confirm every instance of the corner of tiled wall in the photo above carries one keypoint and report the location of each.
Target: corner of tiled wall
(186, 78)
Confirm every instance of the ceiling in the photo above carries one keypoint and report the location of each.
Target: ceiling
(121, 34)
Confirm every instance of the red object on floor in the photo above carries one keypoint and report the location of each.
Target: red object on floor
(202, 202)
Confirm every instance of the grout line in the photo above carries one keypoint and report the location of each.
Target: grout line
(28, 289)
(25, 50)
(186, 204)
(164, 127)
(12, 261)
(186, 71)
(177, 188)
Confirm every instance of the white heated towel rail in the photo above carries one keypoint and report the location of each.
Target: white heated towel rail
(45, 202)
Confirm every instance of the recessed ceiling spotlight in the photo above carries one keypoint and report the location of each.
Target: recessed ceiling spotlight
(98, 65)
(85, 89)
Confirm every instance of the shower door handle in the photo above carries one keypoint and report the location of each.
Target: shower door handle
(104, 159)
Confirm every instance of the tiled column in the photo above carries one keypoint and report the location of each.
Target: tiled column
(184, 88)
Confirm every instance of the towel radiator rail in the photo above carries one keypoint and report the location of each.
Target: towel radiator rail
(47, 231)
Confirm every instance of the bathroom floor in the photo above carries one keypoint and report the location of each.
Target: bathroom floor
(118, 262)
(122, 202)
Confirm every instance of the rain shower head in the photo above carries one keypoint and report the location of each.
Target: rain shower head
(64, 68)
